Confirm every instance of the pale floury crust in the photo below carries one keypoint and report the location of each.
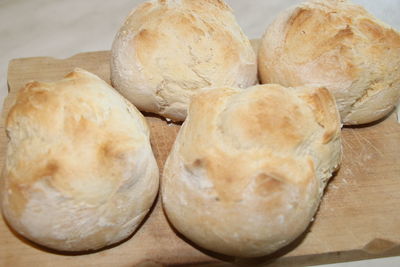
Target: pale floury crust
(248, 168)
(339, 45)
(79, 173)
(168, 49)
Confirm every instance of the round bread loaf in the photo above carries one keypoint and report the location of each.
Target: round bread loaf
(168, 49)
(340, 46)
(79, 173)
(248, 168)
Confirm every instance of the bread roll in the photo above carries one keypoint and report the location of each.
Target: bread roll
(340, 46)
(79, 173)
(248, 168)
(168, 49)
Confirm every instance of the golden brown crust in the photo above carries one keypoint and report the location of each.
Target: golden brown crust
(167, 50)
(324, 111)
(77, 158)
(248, 167)
(340, 46)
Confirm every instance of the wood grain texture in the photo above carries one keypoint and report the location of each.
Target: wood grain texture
(359, 216)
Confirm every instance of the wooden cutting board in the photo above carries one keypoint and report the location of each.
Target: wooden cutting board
(359, 216)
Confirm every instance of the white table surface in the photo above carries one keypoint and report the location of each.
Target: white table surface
(62, 28)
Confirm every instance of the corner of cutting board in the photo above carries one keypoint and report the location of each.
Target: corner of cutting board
(23, 70)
